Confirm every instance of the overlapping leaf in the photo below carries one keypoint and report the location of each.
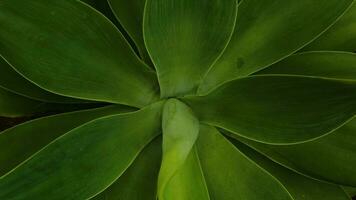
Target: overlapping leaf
(13, 81)
(20, 142)
(278, 109)
(268, 31)
(140, 180)
(300, 187)
(98, 65)
(179, 167)
(184, 38)
(13, 105)
(337, 65)
(130, 15)
(331, 158)
(86, 160)
(340, 37)
(231, 175)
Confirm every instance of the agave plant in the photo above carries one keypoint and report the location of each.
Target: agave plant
(178, 99)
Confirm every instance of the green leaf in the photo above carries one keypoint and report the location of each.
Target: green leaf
(300, 187)
(350, 190)
(340, 37)
(231, 175)
(331, 158)
(338, 65)
(20, 142)
(98, 65)
(278, 109)
(140, 180)
(188, 183)
(84, 161)
(13, 81)
(184, 38)
(268, 31)
(13, 105)
(130, 15)
(104, 7)
(180, 131)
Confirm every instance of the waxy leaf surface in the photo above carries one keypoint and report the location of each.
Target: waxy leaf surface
(130, 16)
(268, 31)
(20, 142)
(328, 64)
(278, 109)
(299, 186)
(229, 174)
(184, 38)
(180, 130)
(13, 81)
(140, 180)
(86, 160)
(331, 158)
(340, 37)
(98, 65)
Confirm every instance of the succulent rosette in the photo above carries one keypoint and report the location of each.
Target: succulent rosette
(178, 99)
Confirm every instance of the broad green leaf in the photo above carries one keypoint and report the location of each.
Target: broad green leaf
(340, 37)
(20, 142)
(104, 7)
(278, 109)
(300, 187)
(180, 130)
(331, 158)
(229, 174)
(130, 15)
(13, 105)
(350, 190)
(268, 31)
(8, 122)
(188, 183)
(184, 38)
(140, 180)
(98, 65)
(84, 161)
(339, 65)
(13, 81)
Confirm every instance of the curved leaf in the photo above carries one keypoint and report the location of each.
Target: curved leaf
(103, 149)
(20, 142)
(338, 65)
(14, 82)
(180, 131)
(140, 180)
(98, 65)
(231, 175)
(278, 109)
(331, 158)
(184, 38)
(104, 7)
(350, 190)
(188, 183)
(130, 15)
(300, 187)
(13, 105)
(340, 37)
(268, 31)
